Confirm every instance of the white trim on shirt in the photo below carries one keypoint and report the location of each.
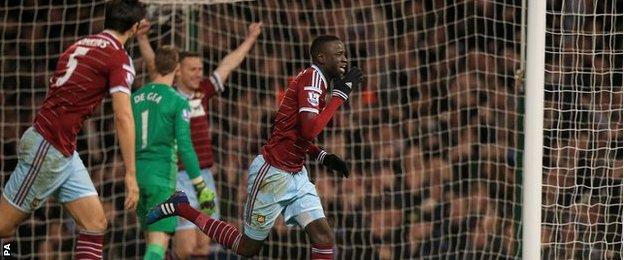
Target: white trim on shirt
(119, 89)
(309, 109)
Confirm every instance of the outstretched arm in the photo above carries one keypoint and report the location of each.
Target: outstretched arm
(236, 57)
(146, 49)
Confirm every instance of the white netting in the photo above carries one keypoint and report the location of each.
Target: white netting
(433, 137)
(582, 185)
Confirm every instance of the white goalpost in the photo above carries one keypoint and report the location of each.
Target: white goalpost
(533, 130)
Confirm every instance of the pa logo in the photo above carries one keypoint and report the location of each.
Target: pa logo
(6, 249)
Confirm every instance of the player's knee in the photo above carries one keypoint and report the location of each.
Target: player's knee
(96, 224)
(202, 248)
(322, 234)
(325, 237)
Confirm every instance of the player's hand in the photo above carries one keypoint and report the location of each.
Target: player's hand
(254, 30)
(334, 163)
(132, 192)
(343, 86)
(206, 197)
(144, 27)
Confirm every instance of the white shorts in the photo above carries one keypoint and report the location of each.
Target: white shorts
(43, 171)
(271, 192)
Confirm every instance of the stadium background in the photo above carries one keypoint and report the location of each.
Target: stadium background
(434, 136)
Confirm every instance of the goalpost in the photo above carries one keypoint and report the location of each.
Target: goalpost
(484, 129)
(533, 130)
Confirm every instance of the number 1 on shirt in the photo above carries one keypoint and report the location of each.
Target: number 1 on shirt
(144, 116)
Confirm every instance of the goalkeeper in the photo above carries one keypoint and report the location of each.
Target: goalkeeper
(162, 119)
(189, 241)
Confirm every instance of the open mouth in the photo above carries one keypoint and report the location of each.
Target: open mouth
(342, 69)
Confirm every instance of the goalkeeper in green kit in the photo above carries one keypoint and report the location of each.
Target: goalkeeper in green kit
(162, 124)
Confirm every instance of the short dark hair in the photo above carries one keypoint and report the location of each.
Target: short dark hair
(121, 15)
(166, 59)
(188, 54)
(319, 43)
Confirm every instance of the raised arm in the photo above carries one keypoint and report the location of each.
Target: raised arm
(236, 57)
(146, 49)
(313, 122)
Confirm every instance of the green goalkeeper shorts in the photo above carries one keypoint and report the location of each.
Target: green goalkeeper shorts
(156, 183)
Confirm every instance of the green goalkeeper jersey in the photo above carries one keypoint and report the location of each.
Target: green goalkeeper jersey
(161, 117)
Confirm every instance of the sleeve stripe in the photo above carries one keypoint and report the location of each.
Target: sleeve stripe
(216, 81)
(119, 89)
(309, 109)
(315, 84)
(317, 90)
(317, 80)
(129, 69)
(340, 94)
(321, 156)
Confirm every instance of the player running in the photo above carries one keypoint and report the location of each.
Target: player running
(162, 124)
(191, 83)
(278, 182)
(48, 163)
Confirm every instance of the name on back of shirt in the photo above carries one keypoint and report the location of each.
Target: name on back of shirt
(150, 96)
(93, 43)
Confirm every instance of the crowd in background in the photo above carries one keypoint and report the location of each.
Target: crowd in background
(433, 137)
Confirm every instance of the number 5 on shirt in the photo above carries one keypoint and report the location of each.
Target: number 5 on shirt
(71, 65)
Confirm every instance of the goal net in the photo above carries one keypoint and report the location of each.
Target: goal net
(582, 169)
(433, 137)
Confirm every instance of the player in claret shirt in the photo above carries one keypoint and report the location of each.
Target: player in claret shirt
(48, 162)
(278, 182)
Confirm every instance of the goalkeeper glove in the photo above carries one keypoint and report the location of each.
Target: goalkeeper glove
(206, 197)
(334, 163)
(343, 86)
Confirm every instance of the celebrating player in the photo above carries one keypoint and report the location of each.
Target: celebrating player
(278, 182)
(162, 124)
(189, 240)
(48, 163)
